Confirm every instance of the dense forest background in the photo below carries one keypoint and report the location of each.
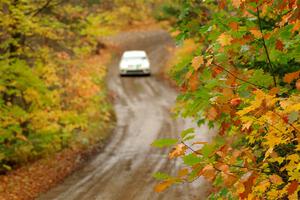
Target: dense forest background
(52, 90)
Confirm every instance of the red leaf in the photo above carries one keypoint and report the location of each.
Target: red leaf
(292, 187)
(222, 4)
(279, 45)
(235, 101)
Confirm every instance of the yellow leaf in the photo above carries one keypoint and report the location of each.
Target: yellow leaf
(179, 150)
(183, 172)
(163, 185)
(268, 152)
(224, 39)
(240, 188)
(263, 186)
(197, 62)
(209, 61)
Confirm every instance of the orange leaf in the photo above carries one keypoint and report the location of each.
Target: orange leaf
(197, 62)
(163, 185)
(279, 45)
(234, 26)
(288, 78)
(267, 36)
(223, 167)
(216, 71)
(208, 172)
(227, 92)
(212, 113)
(194, 81)
(224, 39)
(179, 150)
(228, 179)
(248, 181)
(292, 187)
(276, 179)
(257, 34)
(298, 84)
(296, 26)
(236, 3)
(274, 91)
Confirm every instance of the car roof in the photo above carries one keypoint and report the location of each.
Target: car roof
(135, 53)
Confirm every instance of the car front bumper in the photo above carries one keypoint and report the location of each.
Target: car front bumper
(135, 72)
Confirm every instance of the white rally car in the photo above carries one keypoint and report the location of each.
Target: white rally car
(134, 63)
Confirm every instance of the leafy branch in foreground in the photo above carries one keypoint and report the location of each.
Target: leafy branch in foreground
(243, 78)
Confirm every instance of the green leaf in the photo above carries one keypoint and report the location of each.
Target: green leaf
(191, 159)
(187, 132)
(190, 137)
(161, 176)
(164, 142)
(207, 149)
(260, 78)
(293, 117)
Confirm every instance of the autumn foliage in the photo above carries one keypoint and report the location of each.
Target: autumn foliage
(52, 91)
(243, 79)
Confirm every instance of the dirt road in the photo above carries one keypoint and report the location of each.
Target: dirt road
(123, 171)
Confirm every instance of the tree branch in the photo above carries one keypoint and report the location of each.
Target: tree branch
(243, 80)
(265, 46)
(42, 8)
(287, 122)
(46, 5)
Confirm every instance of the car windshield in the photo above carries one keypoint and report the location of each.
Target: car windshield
(135, 58)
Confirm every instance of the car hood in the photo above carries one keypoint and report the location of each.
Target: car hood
(133, 62)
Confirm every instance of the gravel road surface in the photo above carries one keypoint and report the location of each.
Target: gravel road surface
(123, 170)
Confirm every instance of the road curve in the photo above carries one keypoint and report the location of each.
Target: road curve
(123, 171)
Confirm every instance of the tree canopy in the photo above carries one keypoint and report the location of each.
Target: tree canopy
(241, 77)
